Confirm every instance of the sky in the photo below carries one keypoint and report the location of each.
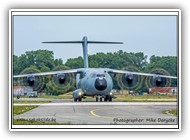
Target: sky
(153, 35)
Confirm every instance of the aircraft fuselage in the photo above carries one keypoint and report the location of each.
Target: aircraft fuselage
(95, 82)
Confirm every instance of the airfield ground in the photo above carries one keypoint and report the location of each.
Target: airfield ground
(154, 109)
(121, 98)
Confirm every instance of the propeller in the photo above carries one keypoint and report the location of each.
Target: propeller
(129, 81)
(157, 81)
(36, 82)
(60, 83)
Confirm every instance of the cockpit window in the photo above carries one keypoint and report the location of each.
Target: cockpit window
(100, 75)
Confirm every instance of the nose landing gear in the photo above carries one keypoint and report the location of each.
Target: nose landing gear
(99, 98)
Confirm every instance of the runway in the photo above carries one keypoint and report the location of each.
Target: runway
(103, 112)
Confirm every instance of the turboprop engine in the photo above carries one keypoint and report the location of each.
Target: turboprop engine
(129, 78)
(61, 78)
(158, 81)
(31, 80)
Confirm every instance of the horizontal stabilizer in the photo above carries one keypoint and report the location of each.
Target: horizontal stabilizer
(94, 42)
(85, 43)
(63, 42)
(104, 42)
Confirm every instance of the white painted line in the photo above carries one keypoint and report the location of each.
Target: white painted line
(100, 103)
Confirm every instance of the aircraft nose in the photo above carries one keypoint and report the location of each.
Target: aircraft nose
(100, 84)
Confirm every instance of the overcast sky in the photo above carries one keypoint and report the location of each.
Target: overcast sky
(153, 35)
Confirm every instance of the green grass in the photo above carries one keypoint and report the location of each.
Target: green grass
(145, 98)
(138, 98)
(31, 122)
(29, 102)
(173, 111)
(133, 98)
(124, 98)
(63, 96)
(21, 109)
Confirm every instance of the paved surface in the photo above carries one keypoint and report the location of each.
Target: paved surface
(102, 112)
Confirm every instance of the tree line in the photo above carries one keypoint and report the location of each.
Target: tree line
(43, 61)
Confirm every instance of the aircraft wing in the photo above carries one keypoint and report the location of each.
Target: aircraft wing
(49, 73)
(140, 73)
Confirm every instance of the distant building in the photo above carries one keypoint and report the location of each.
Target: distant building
(163, 90)
(21, 90)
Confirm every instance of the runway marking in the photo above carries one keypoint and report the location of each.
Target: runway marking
(94, 114)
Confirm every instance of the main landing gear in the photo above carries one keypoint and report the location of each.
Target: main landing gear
(105, 99)
(98, 98)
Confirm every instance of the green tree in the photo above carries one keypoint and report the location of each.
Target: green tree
(44, 58)
(44, 61)
(75, 62)
(58, 62)
(44, 69)
(39, 58)
(168, 63)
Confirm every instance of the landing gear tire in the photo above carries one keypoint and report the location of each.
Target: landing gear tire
(106, 98)
(75, 99)
(110, 99)
(80, 99)
(98, 98)
(18, 97)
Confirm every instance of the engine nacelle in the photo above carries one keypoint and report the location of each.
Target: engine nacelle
(129, 78)
(158, 81)
(61, 78)
(31, 80)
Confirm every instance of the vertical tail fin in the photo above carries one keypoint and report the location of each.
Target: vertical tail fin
(85, 43)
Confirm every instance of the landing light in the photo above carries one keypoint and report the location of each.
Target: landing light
(110, 93)
(80, 93)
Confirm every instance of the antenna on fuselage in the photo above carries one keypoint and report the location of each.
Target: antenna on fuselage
(85, 43)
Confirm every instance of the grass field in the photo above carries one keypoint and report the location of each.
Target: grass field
(146, 98)
(174, 112)
(29, 102)
(125, 98)
(63, 96)
(21, 109)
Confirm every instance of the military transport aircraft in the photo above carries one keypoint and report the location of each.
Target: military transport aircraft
(92, 81)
